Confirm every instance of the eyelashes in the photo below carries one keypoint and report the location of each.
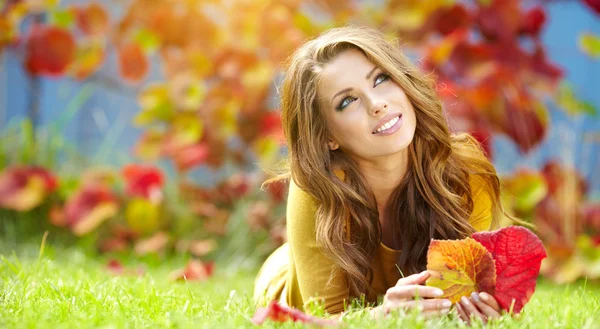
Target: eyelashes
(380, 78)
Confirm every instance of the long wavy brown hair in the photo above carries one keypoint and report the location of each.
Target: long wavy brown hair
(434, 196)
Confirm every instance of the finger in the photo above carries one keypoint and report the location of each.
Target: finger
(483, 307)
(462, 314)
(428, 304)
(413, 279)
(490, 300)
(410, 291)
(470, 309)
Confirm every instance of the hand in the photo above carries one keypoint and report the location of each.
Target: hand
(481, 306)
(407, 294)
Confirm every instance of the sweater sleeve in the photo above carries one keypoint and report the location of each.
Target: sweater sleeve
(314, 268)
(481, 217)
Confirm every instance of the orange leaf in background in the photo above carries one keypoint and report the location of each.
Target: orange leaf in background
(280, 313)
(460, 267)
(50, 50)
(92, 19)
(153, 244)
(195, 270)
(517, 254)
(88, 59)
(89, 207)
(133, 63)
(24, 188)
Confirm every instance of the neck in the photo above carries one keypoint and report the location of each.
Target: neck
(384, 175)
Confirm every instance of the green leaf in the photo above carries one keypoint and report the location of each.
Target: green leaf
(62, 18)
(567, 100)
(148, 40)
(590, 44)
(28, 135)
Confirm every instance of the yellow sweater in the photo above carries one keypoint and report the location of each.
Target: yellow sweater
(298, 271)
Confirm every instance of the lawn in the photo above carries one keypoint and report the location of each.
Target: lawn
(67, 288)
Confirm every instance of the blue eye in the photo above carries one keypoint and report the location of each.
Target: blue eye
(380, 78)
(345, 102)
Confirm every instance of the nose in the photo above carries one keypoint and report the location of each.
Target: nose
(378, 107)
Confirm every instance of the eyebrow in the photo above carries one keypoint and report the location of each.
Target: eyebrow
(350, 89)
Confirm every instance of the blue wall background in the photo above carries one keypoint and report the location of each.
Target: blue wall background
(101, 129)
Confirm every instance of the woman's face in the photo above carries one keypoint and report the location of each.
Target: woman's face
(368, 114)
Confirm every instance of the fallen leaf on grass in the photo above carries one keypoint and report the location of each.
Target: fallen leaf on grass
(460, 267)
(195, 270)
(280, 313)
(518, 254)
(116, 268)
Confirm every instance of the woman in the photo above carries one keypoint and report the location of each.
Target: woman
(375, 175)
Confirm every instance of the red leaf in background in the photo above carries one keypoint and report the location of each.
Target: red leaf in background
(191, 156)
(89, 207)
(116, 268)
(539, 63)
(525, 125)
(271, 125)
(23, 188)
(277, 190)
(499, 20)
(518, 254)
(450, 19)
(594, 4)
(144, 181)
(50, 50)
(280, 313)
(92, 20)
(533, 21)
(195, 270)
(484, 137)
(133, 63)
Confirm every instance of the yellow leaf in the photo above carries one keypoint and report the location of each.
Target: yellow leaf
(142, 215)
(460, 267)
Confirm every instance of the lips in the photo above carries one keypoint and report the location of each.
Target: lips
(385, 120)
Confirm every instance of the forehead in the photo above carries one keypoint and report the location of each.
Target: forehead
(347, 66)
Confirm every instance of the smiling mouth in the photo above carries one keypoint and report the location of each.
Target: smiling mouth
(387, 125)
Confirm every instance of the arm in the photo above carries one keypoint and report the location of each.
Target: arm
(313, 267)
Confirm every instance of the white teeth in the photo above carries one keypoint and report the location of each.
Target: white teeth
(388, 125)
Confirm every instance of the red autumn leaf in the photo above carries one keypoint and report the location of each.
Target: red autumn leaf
(143, 181)
(594, 4)
(277, 190)
(518, 255)
(191, 156)
(89, 207)
(195, 270)
(133, 63)
(50, 50)
(116, 268)
(460, 267)
(533, 21)
(451, 19)
(280, 313)
(24, 188)
(92, 20)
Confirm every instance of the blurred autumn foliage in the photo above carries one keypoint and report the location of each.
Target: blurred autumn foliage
(220, 62)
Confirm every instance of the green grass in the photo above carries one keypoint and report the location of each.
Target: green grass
(66, 288)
